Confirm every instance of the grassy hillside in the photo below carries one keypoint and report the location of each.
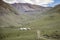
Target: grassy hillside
(9, 16)
(48, 25)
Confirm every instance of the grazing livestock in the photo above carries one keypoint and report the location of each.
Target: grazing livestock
(25, 28)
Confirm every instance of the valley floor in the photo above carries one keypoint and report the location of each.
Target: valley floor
(49, 27)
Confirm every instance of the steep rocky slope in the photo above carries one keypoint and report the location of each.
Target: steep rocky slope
(9, 16)
(26, 7)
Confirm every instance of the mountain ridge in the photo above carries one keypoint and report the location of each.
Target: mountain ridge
(30, 7)
(9, 16)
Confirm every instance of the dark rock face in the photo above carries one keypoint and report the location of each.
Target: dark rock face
(6, 8)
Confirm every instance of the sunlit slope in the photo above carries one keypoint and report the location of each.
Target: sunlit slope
(49, 25)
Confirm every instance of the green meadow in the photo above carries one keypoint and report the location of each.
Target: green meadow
(49, 27)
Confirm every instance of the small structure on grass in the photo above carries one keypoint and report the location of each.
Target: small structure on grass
(25, 28)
